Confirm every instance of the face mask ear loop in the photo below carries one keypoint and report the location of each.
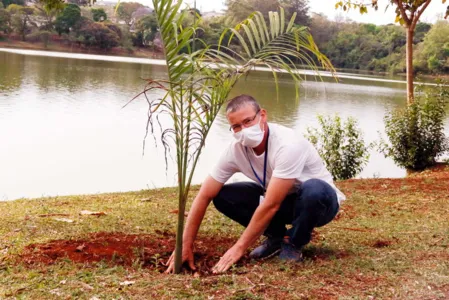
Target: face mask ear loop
(263, 130)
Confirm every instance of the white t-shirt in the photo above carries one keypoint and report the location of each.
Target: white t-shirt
(289, 156)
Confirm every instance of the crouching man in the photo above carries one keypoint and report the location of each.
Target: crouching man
(291, 186)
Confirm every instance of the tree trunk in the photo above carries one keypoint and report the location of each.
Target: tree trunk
(179, 232)
(409, 65)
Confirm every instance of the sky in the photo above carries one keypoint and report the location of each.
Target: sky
(327, 7)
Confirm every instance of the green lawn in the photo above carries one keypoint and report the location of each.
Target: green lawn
(390, 240)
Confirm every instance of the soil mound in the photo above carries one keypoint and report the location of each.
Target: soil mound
(130, 250)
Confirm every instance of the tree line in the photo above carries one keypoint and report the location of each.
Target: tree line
(348, 44)
(382, 48)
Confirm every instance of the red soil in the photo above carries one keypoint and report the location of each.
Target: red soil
(129, 250)
(434, 181)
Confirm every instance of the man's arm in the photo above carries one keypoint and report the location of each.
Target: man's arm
(209, 189)
(276, 193)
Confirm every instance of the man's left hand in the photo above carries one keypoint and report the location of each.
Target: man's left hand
(228, 259)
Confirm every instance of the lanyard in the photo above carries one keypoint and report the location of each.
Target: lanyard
(263, 183)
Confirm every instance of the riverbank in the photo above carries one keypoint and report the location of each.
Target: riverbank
(74, 48)
(148, 53)
(389, 241)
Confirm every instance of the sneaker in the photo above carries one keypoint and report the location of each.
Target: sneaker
(290, 252)
(269, 248)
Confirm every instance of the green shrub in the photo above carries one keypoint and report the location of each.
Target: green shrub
(340, 145)
(416, 133)
(40, 36)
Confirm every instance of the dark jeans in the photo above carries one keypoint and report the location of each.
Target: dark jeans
(314, 205)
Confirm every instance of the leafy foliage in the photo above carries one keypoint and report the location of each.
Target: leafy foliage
(241, 9)
(98, 34)
(299, 7)
(5, 20)
(435, 49)
(125, 11)
(21, 21)
(69, 17)
(341, 146)
(416, 133)
(45, 16)
(40, 36)
(99, 15)
(145, 30)
(6, 3)
(408, 13)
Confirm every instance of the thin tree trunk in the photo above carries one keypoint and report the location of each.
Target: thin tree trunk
(409, 65)
(179, 233)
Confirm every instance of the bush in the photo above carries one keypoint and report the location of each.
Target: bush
(99, 15)
(99, 35)
(340, 145)
(68, 18)
(416, 133)
(40, 36)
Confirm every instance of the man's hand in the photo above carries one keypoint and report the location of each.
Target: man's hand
(228, 259)
(187, 256)
(209, 189)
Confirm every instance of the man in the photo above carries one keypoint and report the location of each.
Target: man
(291, 186)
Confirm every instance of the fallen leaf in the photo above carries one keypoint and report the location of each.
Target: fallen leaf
(64, 220)
(86, 286)
(127, 283)
(56, 292)
(92, 213)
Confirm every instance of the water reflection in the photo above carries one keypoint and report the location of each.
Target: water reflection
(11, 71)
(63, 129)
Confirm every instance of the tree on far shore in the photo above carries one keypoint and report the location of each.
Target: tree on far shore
(68, 18)
(5, 20)
(125, 11)
(408, 13)
(99, 15)
(21, 21)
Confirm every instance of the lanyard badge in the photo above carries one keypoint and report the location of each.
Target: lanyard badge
(263, 183)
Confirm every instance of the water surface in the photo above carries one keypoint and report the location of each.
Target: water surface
(63, 130)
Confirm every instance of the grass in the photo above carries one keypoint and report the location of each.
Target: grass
(390, 240)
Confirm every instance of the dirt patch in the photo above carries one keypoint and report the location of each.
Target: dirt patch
(382, 243)
(346, 211)
(129, 250)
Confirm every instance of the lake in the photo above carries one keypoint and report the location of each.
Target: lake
(63, 129)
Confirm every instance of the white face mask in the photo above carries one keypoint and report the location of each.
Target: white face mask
(250, 136)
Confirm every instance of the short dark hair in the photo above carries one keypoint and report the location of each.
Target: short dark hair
(238, 102)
